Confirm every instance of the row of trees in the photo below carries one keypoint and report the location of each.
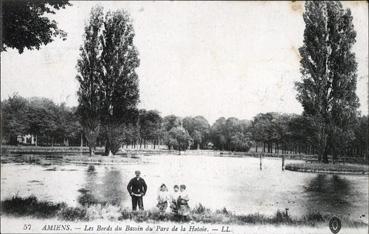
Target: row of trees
(49, 123)
(268, 132)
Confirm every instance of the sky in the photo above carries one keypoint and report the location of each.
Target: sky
(230, 59)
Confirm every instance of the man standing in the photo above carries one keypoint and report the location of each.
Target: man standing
(137, 189)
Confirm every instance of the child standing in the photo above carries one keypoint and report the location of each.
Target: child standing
(184, 208)
(174, 199)
(163, 198)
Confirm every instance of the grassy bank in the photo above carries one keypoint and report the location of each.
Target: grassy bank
(71, 159)
(346, 169)
(8, 149)
(32, 207)
(31, 149)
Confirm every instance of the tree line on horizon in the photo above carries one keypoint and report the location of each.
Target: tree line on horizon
(54, 124)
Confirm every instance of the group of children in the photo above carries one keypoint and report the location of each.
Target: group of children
(177, 200)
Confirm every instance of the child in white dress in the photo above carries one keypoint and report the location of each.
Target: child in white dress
(184, 208)
(163, 198)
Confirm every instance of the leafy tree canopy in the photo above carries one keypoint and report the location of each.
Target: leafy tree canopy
(26, 25)
(328, 68)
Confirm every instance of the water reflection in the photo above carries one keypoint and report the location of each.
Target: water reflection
(88, 193)
(109, 191)
(112, 187)
(328, 193)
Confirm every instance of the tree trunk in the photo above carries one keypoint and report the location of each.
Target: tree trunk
(91, 151)
(320, 156)
(107, 148)
(270, 147)
(325, 155)
(334, 156)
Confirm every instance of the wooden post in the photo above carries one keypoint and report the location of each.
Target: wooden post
(81, 143)
(256, 146)
(282, 162)
(261, 166)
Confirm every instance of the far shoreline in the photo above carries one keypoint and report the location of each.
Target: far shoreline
(334, 169)
(46, 155)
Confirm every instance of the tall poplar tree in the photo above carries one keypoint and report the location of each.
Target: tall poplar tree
(89, 76)
(108, 93)
(328, 67)
(119, 80)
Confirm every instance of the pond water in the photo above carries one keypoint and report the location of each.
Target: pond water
(216, 182)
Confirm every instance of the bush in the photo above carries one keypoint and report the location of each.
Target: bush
(19, 206)
(125, 214)
(87, 199)
(72, 214)
(140, 216)
(314, 217)
(253, 218)
(223, 211)
(200, 209)
(281, 217)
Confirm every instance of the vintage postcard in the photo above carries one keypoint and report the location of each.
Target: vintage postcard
(184, 117)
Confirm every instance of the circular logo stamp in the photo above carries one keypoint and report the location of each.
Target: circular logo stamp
(335, 225)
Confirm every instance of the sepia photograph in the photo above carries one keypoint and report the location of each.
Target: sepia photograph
(184, 117)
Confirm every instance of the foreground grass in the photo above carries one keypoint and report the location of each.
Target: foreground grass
(30, 206)
(329, 168)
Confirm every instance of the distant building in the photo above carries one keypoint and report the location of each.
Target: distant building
(26, 139)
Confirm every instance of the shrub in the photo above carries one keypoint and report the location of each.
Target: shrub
(87, 199)
(72, 214)
(223, 211)
(200, 209)
(281, 217)
(252, 218)
(314, 217)
(19, 206)
(125, 214)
